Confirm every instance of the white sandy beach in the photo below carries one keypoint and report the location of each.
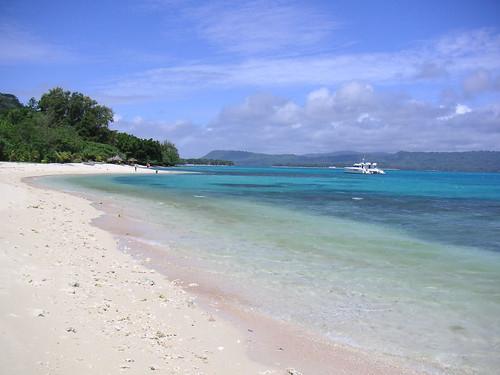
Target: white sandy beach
(71, 302)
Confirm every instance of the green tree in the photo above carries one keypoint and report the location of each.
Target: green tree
(169, 153)
(64, 126)
(64, 108)
(32, 104)
(55, 104)
(98, 151)
(89, 118)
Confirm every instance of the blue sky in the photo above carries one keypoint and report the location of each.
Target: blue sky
(269, 76)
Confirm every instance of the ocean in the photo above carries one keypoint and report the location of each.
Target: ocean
(405, 264)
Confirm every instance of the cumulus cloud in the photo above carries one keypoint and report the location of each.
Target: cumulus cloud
(183, 132)
(354, 116)
(460, 109)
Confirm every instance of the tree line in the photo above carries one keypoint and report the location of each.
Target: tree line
(66, 126)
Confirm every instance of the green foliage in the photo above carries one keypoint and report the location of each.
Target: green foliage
(70, 127)
(143, 150)
(32, 104)
(128, 144)
(62, 156)
(76, 110)
(169, 153)
(55, 105)
(98, 151)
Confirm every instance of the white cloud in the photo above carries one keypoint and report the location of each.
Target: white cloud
(249, 27)
(19, 46)
(355, 92)
(320, 95)
(260, 26)
(462, 109)
(460, 53)
(287, 114)
(366, 118)
(355, 116)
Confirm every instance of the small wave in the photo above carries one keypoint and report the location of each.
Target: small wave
(199, 196)
(357, 198)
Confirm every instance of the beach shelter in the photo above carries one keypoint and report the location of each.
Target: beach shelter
(115, 159)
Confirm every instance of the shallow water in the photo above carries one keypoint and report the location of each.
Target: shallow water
(406, 264)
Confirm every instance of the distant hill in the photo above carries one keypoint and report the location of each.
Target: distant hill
(251, 158)
(197, 161)
(8, 101)
(471, 161)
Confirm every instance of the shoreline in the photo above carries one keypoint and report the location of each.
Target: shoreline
(272, 341)
(71, 302)
(256, 358)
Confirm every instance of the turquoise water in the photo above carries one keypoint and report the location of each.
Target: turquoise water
(406, 264)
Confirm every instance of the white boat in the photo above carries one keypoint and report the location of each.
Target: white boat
(364, 168)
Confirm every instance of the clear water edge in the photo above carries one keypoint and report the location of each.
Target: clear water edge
(367, 283)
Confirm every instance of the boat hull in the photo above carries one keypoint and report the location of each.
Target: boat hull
(355, 170)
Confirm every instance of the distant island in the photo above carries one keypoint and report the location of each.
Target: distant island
(204, 161)
(470, 161)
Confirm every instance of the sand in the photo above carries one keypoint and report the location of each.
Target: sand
(71, 302)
